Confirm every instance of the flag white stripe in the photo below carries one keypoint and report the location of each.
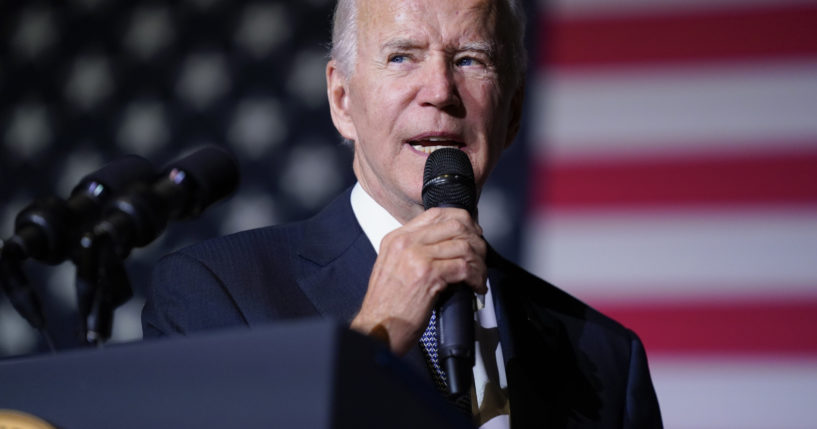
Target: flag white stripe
(649, 254)
(730, 393)
(670, 111)
(607, 8)
(628, 258)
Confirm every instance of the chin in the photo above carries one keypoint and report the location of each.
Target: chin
(414, 192)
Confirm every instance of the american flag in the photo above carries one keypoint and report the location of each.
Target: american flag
(675, 189)
(666, 172)
(83, 82)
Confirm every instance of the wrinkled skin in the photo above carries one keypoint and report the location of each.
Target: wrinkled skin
(425, 75)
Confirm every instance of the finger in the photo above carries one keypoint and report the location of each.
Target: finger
(471, 272)
(431, 233)
(465, 247)
(439, 214)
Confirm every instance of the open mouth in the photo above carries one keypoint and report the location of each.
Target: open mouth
(430, 144)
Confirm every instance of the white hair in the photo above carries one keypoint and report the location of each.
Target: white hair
(344, 39)
(344, 36)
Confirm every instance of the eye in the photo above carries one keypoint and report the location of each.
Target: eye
(397, 59)
(467, 62)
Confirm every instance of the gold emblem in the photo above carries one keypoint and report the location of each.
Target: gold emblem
(10, 419)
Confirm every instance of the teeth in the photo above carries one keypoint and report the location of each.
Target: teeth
(428, 149)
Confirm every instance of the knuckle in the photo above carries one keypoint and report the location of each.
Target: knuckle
(435, 288)
(418, 266)
(462, 247)
(479, 269)
(434, 212)
(456, 227)
(481, 247)
(388, 238)
(397, 241)
(462, 268)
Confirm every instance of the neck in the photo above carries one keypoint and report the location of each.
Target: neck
(402, 209)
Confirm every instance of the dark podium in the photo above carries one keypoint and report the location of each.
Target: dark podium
(313, 374)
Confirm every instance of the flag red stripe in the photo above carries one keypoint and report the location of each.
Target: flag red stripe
(776, 327)
(712, 180)
(730, 34)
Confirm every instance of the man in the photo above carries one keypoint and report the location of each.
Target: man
(407, 77)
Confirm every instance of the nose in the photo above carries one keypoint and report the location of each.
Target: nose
(438, 87)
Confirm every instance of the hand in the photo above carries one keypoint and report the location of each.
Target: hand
(416, 262)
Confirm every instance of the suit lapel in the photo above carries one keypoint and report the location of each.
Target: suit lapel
(547, 374)
(337, 260)
(515, 334)
(337, 263)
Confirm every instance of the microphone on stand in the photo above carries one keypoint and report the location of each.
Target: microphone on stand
(448, 181)
(47, 229)
(184, 189)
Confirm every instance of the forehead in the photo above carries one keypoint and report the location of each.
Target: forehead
(443, 20)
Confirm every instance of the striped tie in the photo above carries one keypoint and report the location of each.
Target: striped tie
(428, 343)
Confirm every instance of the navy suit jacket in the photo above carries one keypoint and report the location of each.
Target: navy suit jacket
(567, 365)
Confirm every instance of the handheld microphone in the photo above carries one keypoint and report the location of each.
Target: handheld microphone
(448, 181)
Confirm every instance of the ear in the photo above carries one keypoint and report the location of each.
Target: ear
(338, 92)
(515, 119)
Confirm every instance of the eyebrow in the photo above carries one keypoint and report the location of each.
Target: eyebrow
(399, 44)
(485, 48)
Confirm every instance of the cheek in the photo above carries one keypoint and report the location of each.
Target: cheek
(380, 108)
(490, 118)
(482, 98)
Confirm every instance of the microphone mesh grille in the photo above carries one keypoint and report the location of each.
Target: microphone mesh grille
(448, 180)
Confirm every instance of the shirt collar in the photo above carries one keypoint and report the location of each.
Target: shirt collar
(375, 221)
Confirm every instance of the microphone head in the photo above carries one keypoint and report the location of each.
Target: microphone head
(185, 188)
(214, 172)
(448, 181)
(47, 228)
(115, 177)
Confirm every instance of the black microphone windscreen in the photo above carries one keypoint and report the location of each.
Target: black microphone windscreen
(118, 175)
(213, 169)
(448, 180)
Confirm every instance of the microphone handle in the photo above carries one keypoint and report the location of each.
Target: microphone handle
(455, 326)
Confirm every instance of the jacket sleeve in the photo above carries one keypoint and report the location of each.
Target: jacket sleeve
(185, 295)
(642, 411)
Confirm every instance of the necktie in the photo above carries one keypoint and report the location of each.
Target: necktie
(428, 342)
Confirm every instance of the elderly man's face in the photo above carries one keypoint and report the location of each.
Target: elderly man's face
(426, 76)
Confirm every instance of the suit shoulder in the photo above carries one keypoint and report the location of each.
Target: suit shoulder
(246, 245)
(319, 237)
(524, 286)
